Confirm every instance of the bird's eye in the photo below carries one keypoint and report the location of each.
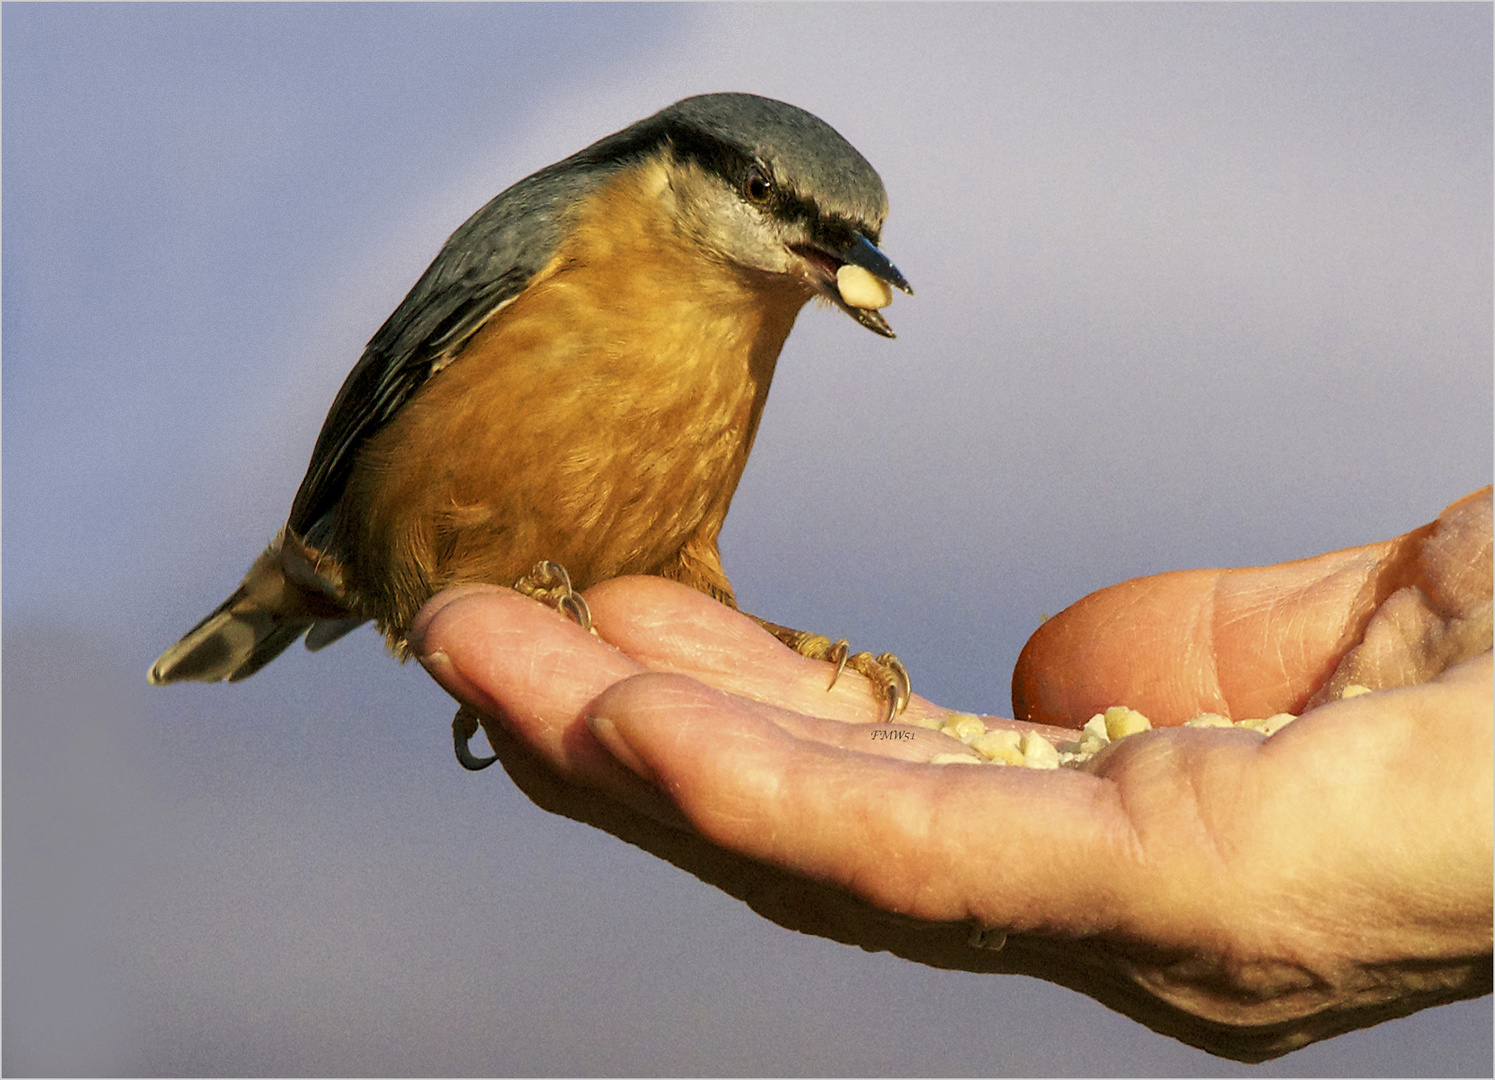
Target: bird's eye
(756, 187)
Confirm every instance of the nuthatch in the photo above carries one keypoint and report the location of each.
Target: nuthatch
(574, 383)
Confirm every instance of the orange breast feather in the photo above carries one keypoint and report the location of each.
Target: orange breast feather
(602, 419)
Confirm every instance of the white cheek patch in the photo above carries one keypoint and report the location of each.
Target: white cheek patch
(862, 289)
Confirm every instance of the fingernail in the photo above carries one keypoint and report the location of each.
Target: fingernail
(416, 635)
(441, 668)
(609, 736)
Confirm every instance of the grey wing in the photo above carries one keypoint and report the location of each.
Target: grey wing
(487, 262)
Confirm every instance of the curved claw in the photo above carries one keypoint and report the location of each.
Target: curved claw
(464, 727)
(573, 605)
(902, 689)
(837, 655)
(569, 602)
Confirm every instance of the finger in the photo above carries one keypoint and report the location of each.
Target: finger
(1247, 642)
(667, 706)
(922, 840)
(667, 626)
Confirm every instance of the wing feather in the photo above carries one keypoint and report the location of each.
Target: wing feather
(485, 264)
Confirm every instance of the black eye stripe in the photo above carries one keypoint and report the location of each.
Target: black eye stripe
(735, 167)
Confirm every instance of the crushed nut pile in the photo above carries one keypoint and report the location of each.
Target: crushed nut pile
(1003, 746)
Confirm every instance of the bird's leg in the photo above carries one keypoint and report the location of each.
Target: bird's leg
(886, 673)
(548, 583)
(699, 565)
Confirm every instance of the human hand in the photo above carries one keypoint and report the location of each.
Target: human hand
(1245, 895)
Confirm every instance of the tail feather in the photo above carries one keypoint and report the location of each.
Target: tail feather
(290, 589)
(326, 631)
(268, 648)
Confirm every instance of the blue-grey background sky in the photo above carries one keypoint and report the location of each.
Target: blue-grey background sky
(1197, 286)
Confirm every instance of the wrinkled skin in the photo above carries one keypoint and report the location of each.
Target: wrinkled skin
(1247, 896)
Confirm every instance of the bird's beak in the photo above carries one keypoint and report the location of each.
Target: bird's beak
(864, 253)
(860, 285)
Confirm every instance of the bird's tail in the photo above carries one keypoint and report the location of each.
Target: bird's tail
(290, 590)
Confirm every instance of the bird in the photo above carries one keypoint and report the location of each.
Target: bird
(570, 391)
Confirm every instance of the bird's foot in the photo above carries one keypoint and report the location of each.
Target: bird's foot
(549, 583)
(886, 673)
(464, 727)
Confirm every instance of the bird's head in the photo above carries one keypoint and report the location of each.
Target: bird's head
(771, 188)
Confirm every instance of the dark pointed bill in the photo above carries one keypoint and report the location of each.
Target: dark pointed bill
(871, 318)
(864, 253)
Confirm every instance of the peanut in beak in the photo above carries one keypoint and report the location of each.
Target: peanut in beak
(862, 289)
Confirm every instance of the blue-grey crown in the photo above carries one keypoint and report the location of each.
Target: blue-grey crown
(805, 155)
